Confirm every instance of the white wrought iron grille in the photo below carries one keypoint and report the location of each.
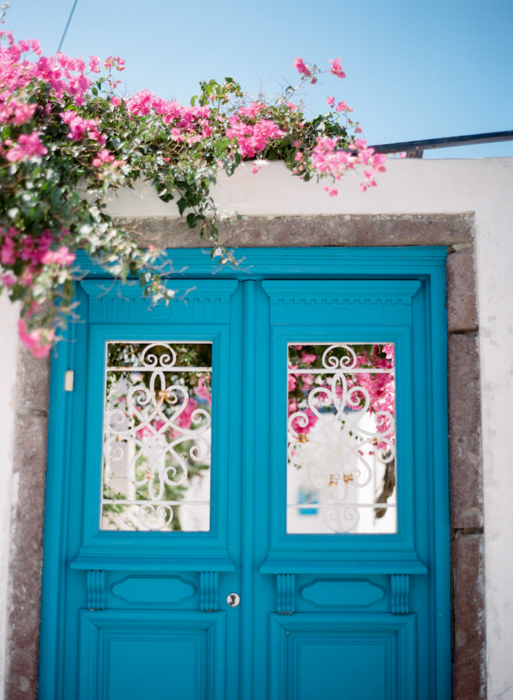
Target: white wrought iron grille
(341, 473)
(157, 436)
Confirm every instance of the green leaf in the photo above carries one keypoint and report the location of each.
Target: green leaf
(144, 278)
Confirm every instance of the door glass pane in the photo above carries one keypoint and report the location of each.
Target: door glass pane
(157, 434)
(341, 472)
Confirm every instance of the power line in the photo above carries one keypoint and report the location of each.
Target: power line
(67, 25)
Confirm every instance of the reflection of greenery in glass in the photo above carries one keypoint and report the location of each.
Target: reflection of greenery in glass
(128, 354)
(162, 417)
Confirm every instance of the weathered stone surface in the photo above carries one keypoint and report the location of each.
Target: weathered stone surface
(22, 683)
(461, 292)
(301, 231)
(469, 659)
(33, 382)
(26, 550)
(465, 432)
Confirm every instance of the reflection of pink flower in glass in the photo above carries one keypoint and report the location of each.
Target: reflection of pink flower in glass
(292, 380)
(184, 420)
(144, 432)
(379, 386)
(308, 358)
(203, 391)
(389, 351)
(307, 380)
(297, 423)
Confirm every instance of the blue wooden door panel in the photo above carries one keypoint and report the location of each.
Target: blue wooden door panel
(145, 614)
(348, 656)
(129, 656)
(155, 591)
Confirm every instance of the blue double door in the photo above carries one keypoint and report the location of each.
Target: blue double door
(247, 489)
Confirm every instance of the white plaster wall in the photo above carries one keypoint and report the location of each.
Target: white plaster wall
(409, 187)
(8, 355)
(415, 186)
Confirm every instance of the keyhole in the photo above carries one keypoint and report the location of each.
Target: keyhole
(233, 600)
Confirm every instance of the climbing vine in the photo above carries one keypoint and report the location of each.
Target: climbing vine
(68, 139)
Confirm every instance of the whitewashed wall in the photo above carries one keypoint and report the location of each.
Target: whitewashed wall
(411, 186)
(8, 356)
(415, 186)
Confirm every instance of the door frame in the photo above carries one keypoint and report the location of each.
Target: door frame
(427, 265)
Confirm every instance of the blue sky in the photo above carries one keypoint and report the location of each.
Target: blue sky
(416, 69)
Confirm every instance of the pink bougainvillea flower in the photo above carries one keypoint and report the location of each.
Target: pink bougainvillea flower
(115, 62)
(15, 110)
(61, 256)
(7, 253)
(330, 101)
(27, 146)
(94, 64)
(378, 161)
(80, 127)
(252, 111)
(301, 68)
(8, 279)
(253, 138)
(105, 158)
(38, 341)
(336, 68)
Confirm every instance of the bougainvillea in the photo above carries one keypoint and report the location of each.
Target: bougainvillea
(67, 139)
